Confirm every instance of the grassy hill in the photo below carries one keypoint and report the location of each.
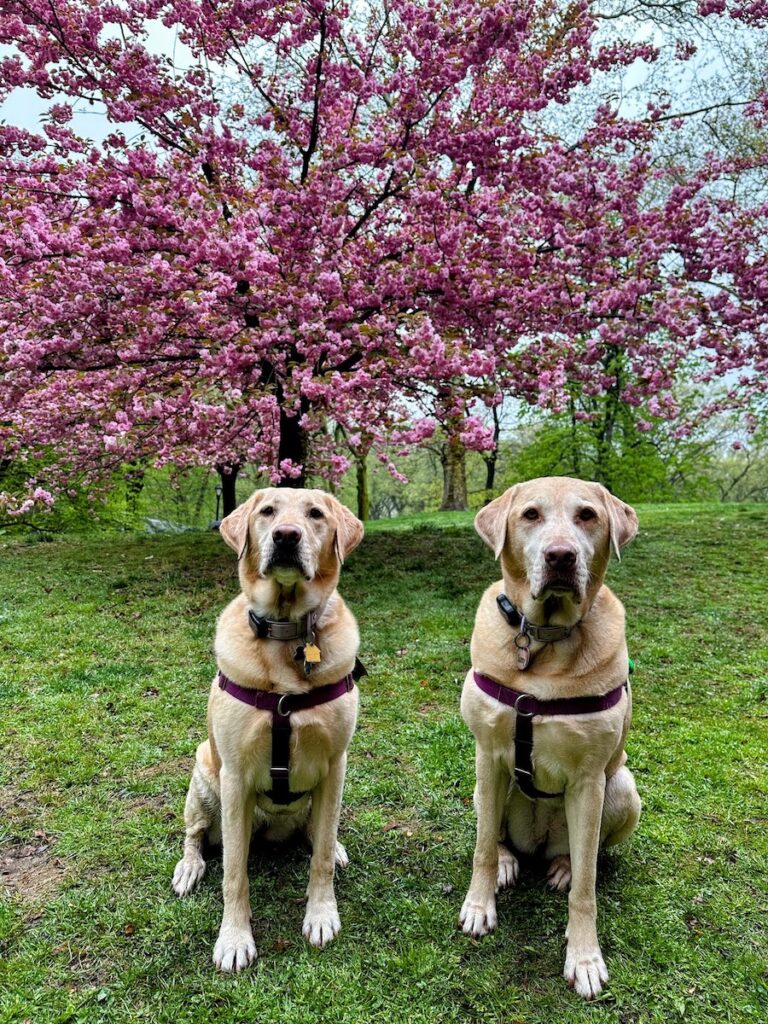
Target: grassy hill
(104, 675)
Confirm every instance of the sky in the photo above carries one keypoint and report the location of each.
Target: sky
(24, 108)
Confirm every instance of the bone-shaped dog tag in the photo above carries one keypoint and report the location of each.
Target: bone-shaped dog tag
(523, 658)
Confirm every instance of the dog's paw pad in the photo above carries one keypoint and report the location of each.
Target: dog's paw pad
(559, 873)
(477, 919)
(321, 925)
(187, 874)
(234, 949)
(509, 868)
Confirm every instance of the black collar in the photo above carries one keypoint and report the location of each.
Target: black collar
(527, 631)
(544, 634)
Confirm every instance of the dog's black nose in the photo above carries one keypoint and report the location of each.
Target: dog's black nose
(560, 557)
(286, 536)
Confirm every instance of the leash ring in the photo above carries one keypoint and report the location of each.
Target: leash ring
(279, 709)
(524, 714)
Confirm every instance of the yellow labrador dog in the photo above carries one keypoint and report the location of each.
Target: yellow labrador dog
(282, 708)
(549, 704)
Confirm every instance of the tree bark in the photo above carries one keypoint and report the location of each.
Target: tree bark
(363, 497)
(491, 457)
(293, 443)
(134, 485)
(228, 477)
(454, 476)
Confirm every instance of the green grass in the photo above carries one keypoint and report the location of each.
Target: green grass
(103, 682)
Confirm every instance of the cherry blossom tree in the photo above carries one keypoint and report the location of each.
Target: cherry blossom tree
(318, 207)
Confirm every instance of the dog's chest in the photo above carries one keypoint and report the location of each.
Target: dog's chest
(567, 748)
(317, 736)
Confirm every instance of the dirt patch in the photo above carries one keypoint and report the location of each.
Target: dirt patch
(174, 766)
(30, 870)
(20, 809)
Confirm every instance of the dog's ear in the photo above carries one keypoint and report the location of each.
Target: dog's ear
(622, 521)
(234, 528)
(491, 521)
(349, 529)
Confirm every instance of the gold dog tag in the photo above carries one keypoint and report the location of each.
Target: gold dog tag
(311, 654)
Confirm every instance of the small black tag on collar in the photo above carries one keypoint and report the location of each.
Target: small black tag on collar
(258, 625)
(508, 610)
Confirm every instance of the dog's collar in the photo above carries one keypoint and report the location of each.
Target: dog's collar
(282, 629)
(527, 631)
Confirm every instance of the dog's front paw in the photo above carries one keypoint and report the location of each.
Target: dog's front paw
(585, 971)
(321, 924)
(341, 856)
(509, 868)
(234, 949)
(478, 918)
(188, 873)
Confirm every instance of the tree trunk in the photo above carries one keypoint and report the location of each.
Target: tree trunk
(134, 485)
(490, 471)
(454, 476)
(293, 444)
(227, 477)
(575, 446)
(491, 457)
(363, 497)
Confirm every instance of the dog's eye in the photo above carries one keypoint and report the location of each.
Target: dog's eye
(316, 513)
(266, 511)
(531, 514)
(586, 514)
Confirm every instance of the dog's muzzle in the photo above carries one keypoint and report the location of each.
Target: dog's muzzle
(286, 551)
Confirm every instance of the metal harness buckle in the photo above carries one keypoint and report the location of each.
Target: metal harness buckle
(524, 714)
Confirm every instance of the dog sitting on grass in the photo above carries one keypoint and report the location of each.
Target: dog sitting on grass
(282, 709)
(549, 704)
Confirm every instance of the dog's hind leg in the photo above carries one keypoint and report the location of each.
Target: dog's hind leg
(621, 810)
(201, 815)
(509, 868)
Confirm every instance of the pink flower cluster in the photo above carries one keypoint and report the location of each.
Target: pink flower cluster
(365, 233)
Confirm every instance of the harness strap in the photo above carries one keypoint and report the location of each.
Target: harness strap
(279, 770)
(526, 706)
(524, 760)
(282, 706)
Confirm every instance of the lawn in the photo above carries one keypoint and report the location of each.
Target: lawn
(105, 670)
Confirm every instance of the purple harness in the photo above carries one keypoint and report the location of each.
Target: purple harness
(526, 706)
(282, 706)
